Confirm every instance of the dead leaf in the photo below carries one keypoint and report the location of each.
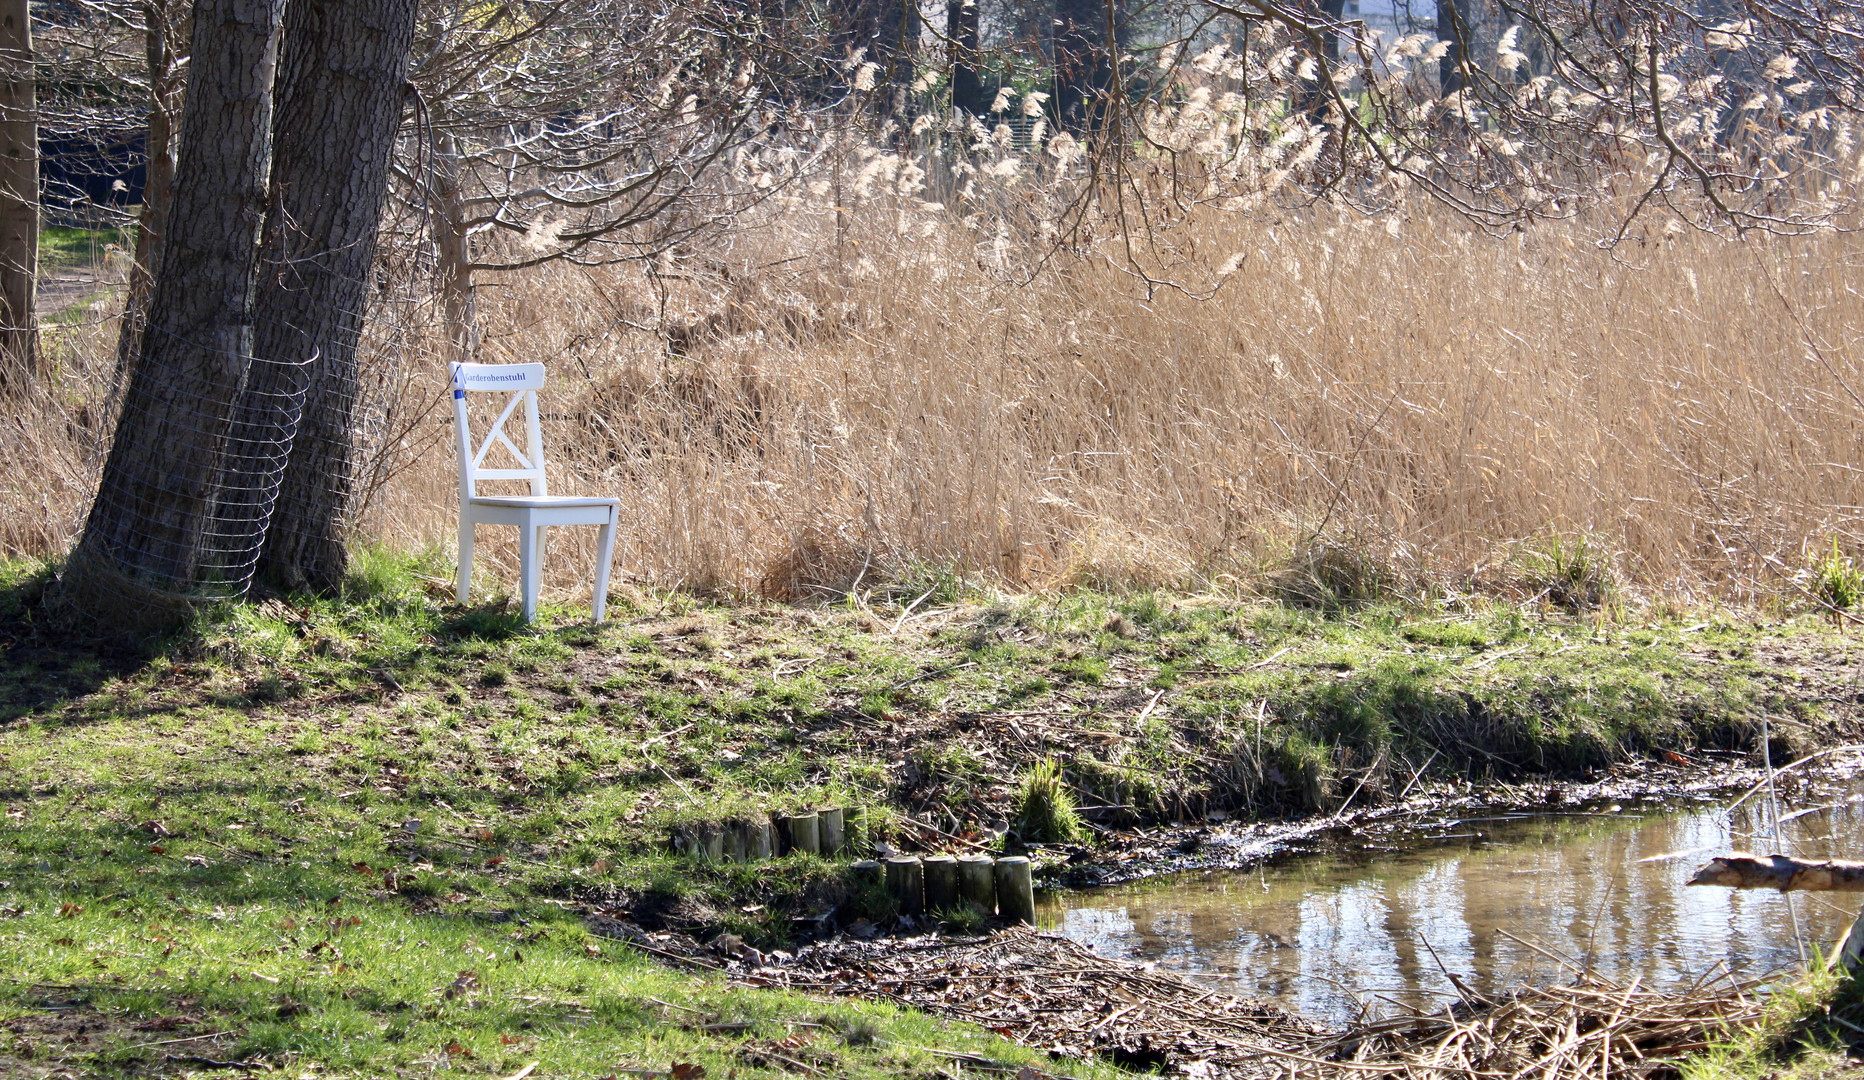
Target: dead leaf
(601, 866)
(495, 860)
(592, 948)
(466, 982)
(456, 1050)
(686, 1070)
(70, 910)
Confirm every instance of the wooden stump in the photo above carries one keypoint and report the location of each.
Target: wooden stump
(799, 833)
(734, 841)
(759, 841)
(867, 874)
(1016, 893)
(941, 873)
(712, 843)
(977, 882)
(854, 831)
(829, 830)
(906, 884)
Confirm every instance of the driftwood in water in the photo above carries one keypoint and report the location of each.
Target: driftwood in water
(1739, 870)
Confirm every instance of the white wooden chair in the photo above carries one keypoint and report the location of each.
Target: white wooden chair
(530, 513)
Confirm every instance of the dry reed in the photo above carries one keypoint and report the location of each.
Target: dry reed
(846, 385)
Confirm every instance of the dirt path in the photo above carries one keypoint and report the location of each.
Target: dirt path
(62, 288)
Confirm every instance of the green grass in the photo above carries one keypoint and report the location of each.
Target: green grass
(1808, 1030)
(190, 824)
(62, 247)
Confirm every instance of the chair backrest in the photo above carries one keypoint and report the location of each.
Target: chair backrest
(521, 381)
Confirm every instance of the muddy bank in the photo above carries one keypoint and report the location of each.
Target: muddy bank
(1044, 991)
(1218, 843)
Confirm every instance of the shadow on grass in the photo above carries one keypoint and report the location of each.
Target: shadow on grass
(51, 655)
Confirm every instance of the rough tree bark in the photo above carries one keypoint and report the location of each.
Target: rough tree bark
(144, 557)
(19, 193)
(454, 251)
(341, 77)
(165, 85)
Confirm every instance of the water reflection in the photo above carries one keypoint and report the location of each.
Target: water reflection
(1326, 935)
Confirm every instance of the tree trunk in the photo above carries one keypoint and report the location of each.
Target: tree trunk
(1313, 98)
(1453, 31)
(149, 551)
(163, 69)
(341, 74)
(19, 194)
(1083, 61)
(455, 253)
(961, 26)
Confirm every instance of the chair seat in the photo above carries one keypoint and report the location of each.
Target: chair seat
(542, 502)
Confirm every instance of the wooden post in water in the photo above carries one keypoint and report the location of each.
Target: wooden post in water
(1016, 893)
(977, 882)
(906, 883)
(941, 873)
(829, 829)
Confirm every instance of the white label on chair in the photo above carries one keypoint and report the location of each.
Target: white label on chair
(497, 377)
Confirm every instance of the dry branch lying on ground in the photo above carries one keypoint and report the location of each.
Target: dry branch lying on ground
(1044, 990)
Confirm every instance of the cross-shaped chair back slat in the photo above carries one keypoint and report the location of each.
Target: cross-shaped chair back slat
(522, 382)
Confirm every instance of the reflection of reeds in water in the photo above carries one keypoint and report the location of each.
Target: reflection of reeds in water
(794, 409)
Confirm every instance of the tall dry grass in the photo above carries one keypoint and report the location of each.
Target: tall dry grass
(847, 386)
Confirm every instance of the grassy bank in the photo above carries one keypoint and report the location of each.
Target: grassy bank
(303, 824)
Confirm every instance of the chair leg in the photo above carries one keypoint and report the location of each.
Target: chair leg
(465, 575)
(605, 553)
(530, 554)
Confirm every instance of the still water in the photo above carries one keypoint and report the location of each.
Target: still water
(1330, 935)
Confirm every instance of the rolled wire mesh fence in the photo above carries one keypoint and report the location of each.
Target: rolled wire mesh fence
(202, 438)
